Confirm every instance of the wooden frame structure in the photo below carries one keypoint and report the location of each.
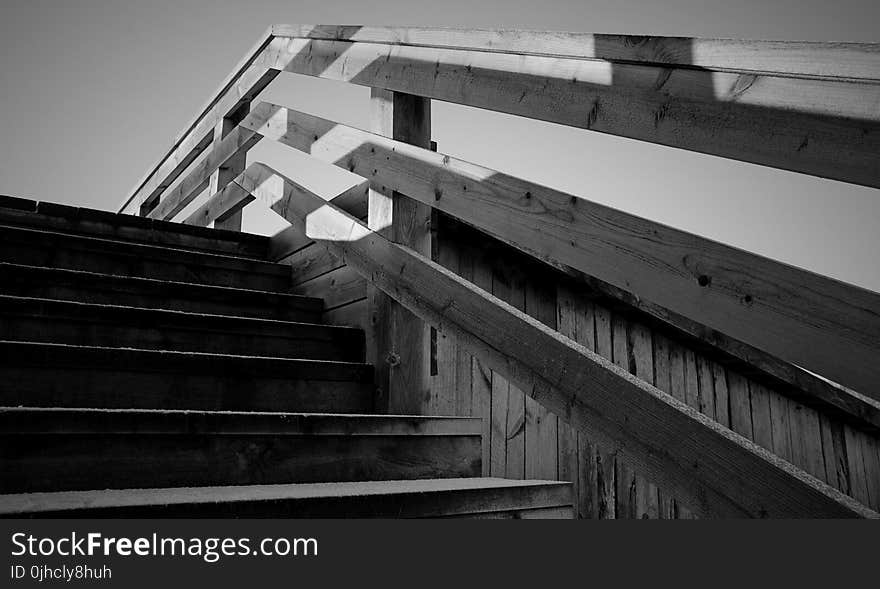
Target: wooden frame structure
(804, 107)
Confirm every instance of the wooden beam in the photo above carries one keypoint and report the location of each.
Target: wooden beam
(191, 143)
(398, 343)
(716, 471)
(228, 151)
(800, 317)
(243, 83)
(825, 128)
(829, 61)
(856, 61)
(231, 168)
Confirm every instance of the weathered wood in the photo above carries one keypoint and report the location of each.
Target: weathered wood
(814, 59)
(242, 84)
(718, 471)
(234, 166)
(198, 136)
(339, 287)
(227, 152)
(824, 60)
(541, 432)
(820, 127)
(398, 342)
(353, 314)
(801, 317)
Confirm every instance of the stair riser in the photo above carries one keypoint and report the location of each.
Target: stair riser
(120, 387)
(125, 260)
(516, 503)
(280, 340)
(263, 306)
(45, 462)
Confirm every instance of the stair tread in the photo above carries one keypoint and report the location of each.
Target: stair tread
(88, 310)
(115, 245)
(81, 220)
(6, 267)
(110, 498)
(64, 420)
(150, 359)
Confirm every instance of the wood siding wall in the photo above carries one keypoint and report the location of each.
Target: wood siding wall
(523, 440)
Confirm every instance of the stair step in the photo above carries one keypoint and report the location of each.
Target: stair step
(79, 449)
(35, 247)
(457, 497)
(58, 375)
(106, 289)
(69, 322)
(81, 221)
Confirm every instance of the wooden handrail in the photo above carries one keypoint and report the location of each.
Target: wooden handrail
(776, 104)
(714, 470)
(789, 110)
(793, 314)
(808, 59)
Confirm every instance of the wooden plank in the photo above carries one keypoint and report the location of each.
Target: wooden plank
(231, 199)
(542, 430)
(395, 332)
(229, 149)
(780, 426)
(339, 287)
(762, 427)
(871, 456)
(507, 288)
(814, 59)
(858, 476)
(625, 478)
(242, 84)
(353, 314)
(663, 381)
(800, 317)
(232, 168)
(820, 127)
(311, 262)
(806, 440)
(444, 385)
(286, 242)
(463, 405)
(197, 136)
(482, 374)
(834, 452)
(577, 462)
(605, 458)
(740, 405)
(833, 60)
(640, 345)
(500, 398)
(717, 471)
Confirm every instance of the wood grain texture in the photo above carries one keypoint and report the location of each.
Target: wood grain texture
(798, 316)
(735, 477)
(820, 127)
(813, 59)
(834, 61)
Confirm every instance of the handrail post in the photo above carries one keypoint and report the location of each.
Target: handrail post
(397, 341)
(233, 167)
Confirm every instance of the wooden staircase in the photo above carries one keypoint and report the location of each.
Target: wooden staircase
(157, 369)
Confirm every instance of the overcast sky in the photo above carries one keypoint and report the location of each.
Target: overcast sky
(92, 93)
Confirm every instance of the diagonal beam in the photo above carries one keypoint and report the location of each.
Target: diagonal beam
(715, 471)
(801, 317)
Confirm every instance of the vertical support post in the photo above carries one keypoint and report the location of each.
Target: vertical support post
(398, 342)
(232, 168)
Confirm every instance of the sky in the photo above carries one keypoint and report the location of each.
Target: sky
(93, 92)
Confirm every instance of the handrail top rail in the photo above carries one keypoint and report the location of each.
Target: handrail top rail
(838, 61)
